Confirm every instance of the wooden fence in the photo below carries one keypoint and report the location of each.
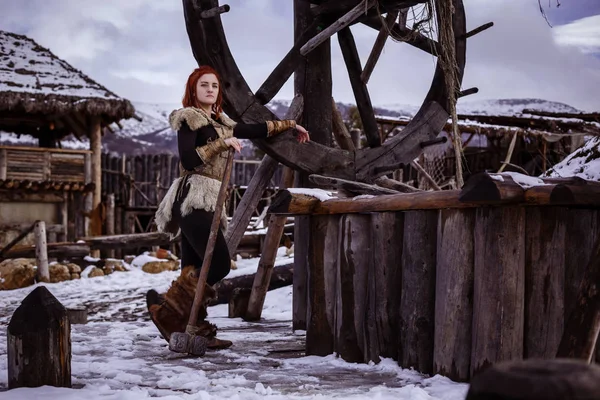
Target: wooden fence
(446, 282)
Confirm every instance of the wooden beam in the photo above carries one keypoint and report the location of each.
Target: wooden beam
(127, 241)
(390, 19)
(213, 12)
(478, 30)
(589, 117)
(256, 187)
(55, 250)
(350, 186)
(398, 186)
(340, 132)
(361, 94)
(338, 25)
(333, 6)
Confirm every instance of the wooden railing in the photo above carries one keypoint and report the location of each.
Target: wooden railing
(44, 164)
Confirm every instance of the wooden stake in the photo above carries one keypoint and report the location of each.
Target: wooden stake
(39, 342)
(41, 252)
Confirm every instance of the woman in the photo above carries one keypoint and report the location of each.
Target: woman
(204, 135)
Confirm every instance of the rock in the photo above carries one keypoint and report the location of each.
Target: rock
(156, 267)
(75, 276)
(17, 273)
(114, 265)
(95, 271)
(59, 273)
(73, 268)
(128, 259)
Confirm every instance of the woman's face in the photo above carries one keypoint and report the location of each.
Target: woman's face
(207, 89)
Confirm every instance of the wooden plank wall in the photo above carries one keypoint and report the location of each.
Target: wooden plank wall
(446, 292)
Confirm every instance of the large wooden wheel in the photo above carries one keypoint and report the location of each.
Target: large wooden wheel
(209, 46)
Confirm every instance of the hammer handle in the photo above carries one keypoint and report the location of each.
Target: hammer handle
(212, 239)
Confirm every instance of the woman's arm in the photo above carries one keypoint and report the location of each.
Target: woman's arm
(262, 130)
(195, 149)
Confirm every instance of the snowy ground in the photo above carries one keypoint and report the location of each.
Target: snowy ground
(119, 354)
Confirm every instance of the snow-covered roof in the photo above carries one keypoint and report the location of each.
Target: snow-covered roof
(34, 80)
(583, 162)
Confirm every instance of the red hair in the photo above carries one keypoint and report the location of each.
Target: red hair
(189, 97)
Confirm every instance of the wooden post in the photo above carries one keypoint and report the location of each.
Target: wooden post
(417, 305)
(355, 135)
(319, 338)
(352, 283)
(95, 133)
(110, 219)
(262, 279)
(453, 294)
(499, 286)
(384, 283)
(39, 342)
(3, 163)
(89, 197)
(41, 252)
(583, 326)
(64, 217)
(544, 280)
(312, 80)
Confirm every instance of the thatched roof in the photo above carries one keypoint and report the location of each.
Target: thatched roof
(35, 81)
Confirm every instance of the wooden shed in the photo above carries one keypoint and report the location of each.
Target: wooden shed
(46, 98)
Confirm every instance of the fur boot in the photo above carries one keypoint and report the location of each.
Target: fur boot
(170, 312)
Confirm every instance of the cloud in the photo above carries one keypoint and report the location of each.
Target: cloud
(140, 49)
(583, 34)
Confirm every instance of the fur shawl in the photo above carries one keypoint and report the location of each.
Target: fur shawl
(196, 119)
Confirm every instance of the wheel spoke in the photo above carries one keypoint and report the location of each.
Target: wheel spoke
(378, 46)
(361, 94)
(411, 37)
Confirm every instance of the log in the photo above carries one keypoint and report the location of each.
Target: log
(361, 94)
(544, 280)
(282, 276)
(453, 294)
(337, 26)
(132, 240)
(393, 184)
(499, 298)
(350, 186)
(331, 278)
(384, 281)
(256, 187)
(491, 189)
(319, 337)
(417, 304)
(54, 250)
(3, 163)
(537, 380)
(39, 342)
(216, 11)
(589, 117)
(583, 326)
(41, 252)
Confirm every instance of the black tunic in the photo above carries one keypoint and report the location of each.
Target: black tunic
(195, 227)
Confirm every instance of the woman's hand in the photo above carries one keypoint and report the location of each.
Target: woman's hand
(303, 135)
(235, 143)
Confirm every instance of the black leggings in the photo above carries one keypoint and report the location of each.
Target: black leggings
(195, 229)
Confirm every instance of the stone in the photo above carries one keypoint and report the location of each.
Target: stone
(17, 273)
(156, 267)
(59, 273)
(95, 271)
(73, 268)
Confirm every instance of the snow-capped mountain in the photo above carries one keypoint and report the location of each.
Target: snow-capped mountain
(153, 135)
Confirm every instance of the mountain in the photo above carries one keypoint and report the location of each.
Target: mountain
(153, 135)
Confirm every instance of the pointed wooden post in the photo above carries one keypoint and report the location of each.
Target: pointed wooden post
(39, 342)
(41, 252)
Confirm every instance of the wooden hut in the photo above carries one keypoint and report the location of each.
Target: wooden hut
(46, 98)
(529, 143)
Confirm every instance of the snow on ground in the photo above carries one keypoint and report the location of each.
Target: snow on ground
(119, 354)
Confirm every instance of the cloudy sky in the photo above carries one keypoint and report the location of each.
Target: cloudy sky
(140, 50)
